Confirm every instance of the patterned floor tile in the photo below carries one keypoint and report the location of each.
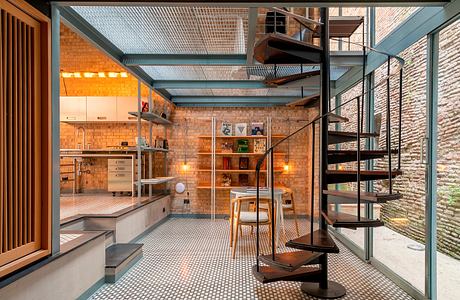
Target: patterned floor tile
(191, 259)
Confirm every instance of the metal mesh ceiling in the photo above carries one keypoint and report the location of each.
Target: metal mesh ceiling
(170, 30)
(199, 73)
(235, 92)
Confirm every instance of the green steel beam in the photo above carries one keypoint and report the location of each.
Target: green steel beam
(418, 25)
(223, 84)
(184, 59)
(87, 31)
(255, 3)
(252, 28)
(218, 100)
(338, 58)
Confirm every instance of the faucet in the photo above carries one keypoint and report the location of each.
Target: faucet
(84, 136)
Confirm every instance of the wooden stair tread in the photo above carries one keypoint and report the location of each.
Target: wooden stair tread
(365, 196)
(318, 241)
(290, 261)
(334, 118)
(267, 274)
(341, 26)
(276, 48)
(343, 220)
(337, 137)
(342, 176)
(308, 101)
(286, 79)
(342, 156)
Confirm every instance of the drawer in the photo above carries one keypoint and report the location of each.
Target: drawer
(119, 176)
(119, 186)
(119, 162)
(120, 168)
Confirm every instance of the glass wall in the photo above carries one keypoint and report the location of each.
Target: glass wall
(448, 170)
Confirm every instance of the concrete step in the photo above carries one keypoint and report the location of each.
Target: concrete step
(119, 258)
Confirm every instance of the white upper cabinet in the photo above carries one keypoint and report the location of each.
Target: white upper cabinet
(101, 109)
(124, 106)
(73, 109)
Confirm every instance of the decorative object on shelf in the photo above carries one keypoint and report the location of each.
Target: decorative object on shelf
(257, 128)
(226, 180)
(145, 106)
(226, 129)
(159, 142)
(141, 141)
(241, 129)
(227, 147)
(226, 163)
(244, 163)
(165, 144)
(286, 159)
(260, 145)
(124, 144)
(166, 111)
(243, 179)
(243, 146)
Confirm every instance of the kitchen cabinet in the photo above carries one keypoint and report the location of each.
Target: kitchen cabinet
(124, 106)
(73, 109)
(101, 109)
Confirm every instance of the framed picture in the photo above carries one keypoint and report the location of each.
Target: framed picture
(226, 129)
(227, 147)
(226, 163)
(241, 129)
(243, 146)
(244, 163)
(257, 128)
(243, 179)
(260, 145)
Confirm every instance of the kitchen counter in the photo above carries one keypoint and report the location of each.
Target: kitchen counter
(129, 150)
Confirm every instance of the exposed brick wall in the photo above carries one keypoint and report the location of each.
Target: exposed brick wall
(198, 121)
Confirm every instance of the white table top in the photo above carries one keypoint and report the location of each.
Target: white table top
(249, 191)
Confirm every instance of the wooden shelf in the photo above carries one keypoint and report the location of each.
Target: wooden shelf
(157, 180)
(149, 149)
(151, 117)
(238, 171)
(238, 154)
(234, 137)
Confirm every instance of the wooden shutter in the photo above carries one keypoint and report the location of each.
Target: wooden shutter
(21, 127)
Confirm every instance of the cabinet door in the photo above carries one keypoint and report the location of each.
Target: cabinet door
(101, 109)
(73, 109)
(124, 106)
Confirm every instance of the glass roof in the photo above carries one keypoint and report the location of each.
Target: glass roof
(170, 30)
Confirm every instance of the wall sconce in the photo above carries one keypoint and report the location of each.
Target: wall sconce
(185, 166)
(286, 166)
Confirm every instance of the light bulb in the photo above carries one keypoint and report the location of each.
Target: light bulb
(185, 167)
(113, 74)
(124, 74)
(286, 167)
(101, 74)
(66, 75)
(77, 74)
(88, 75)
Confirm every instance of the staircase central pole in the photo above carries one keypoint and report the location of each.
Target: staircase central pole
(324, 124)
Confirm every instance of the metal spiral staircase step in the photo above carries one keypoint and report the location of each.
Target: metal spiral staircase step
(274, 82)
(343, 156)
(342, 176)
(290, 261)
(341, 26)
(276, 48)
(343, 220)
(337, 137)
(267, 274)
(342, 197)
(317, 241)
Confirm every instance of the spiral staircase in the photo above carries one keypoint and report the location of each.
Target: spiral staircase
(308, 260)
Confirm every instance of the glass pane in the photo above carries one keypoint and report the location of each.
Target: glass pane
(400, 243)
(388, 18)
(448, 205)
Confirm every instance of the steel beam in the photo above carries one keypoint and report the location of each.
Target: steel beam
(252, 28)
(87, 31)
(311, 85)
(418, 25)
(217, 100)
(338, 58)
(184, 59)
(254, 3)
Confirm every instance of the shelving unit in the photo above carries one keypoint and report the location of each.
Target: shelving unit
(210, 161)
(152, 119)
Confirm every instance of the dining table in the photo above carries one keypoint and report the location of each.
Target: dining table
(238, 192)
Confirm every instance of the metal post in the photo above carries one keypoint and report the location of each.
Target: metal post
(55, 129)
(151, 155)
(139, 150)
(390, 177)
(358, 157)
(324, 122)
(312, 190)
(431, 161)
(400, 117)
(272, 176)
(257, 218)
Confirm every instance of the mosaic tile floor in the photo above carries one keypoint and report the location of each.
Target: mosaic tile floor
(191, 259)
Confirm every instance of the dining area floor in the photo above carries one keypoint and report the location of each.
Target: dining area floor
(188, 258)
